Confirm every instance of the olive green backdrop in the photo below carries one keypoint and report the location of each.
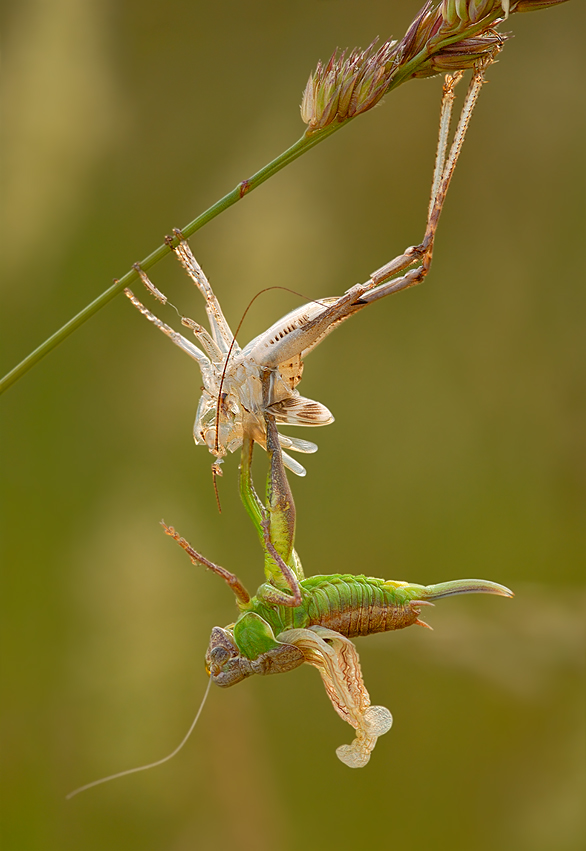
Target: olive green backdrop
(456, 449)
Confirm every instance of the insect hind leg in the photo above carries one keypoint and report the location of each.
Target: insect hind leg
(382, 279)
(444, 168)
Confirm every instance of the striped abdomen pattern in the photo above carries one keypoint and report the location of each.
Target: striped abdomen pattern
(359, 605)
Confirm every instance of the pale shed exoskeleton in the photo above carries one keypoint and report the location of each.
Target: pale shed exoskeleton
(232, 404)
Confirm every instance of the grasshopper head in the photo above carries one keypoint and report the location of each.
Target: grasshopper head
(224, 662)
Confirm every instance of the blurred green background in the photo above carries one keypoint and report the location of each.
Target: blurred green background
(456, 449)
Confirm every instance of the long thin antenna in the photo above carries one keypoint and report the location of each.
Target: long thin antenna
(151, 764)
(215, 469)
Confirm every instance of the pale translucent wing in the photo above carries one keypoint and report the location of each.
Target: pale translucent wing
(297, 410)
(297, 444)
(293, 465)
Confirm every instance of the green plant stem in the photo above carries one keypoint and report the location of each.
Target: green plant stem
(243, 188)
(305, 143)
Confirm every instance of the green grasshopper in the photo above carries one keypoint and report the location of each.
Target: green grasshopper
(293, 619)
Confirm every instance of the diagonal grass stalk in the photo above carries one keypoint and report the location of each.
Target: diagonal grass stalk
(243, 188)
(448, 35)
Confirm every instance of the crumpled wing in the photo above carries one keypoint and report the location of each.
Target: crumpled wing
(336, 658)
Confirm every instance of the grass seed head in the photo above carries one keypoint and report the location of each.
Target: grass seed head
(449, 35)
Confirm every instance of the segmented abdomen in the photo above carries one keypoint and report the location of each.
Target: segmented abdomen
(359, 605)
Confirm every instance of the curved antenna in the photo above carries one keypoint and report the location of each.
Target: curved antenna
(215, 469)
(150, 764)
(215, 466)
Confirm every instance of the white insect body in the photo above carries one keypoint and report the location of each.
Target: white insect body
(233, 400)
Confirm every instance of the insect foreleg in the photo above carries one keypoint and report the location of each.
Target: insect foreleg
(221, 332)
(208, 343)
(214, 353)
(187, 346)
(240, 592)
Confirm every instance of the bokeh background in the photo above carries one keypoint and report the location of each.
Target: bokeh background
(456, 451)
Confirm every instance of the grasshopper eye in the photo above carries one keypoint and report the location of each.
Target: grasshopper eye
(221, 649)
(218, 658)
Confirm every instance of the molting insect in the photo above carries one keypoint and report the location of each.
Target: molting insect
(232, 403)
(293, 619)
(247, 393)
